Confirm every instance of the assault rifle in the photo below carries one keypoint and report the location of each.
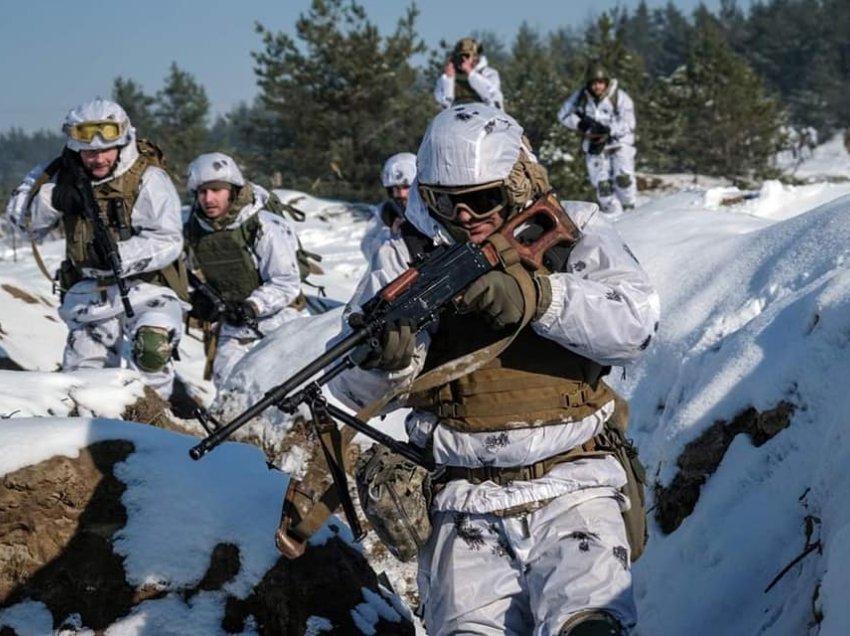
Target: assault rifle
(592, 127)
(103, 243)
(417, 296)
(217, 303)
(596, 133)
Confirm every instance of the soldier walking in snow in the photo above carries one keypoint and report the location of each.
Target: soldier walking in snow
(527, 533)
(605, 115)
(468, 78)
(246, 250)
(126, 281)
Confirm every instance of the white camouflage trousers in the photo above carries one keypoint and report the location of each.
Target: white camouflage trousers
(516, 576)
(612, 174)
(100, 335)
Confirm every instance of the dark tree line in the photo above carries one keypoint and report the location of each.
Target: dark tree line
(712, 93)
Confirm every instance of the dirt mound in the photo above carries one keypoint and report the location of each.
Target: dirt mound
(57, 523)
(701, 457)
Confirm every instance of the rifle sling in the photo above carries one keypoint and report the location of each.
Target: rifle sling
(301, 519)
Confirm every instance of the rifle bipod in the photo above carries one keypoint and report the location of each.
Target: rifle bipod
(330, 440)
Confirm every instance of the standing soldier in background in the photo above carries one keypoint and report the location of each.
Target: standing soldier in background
(467, 78)
(246, 250)
(605, 115)
(127, 281)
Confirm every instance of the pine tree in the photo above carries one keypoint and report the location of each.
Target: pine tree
(733, 125)
(181, 112)
(535, 83)
(336, 106)
(137, 104)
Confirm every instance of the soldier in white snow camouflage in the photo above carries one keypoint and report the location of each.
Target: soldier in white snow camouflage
(605, 115)
(137, 200)
(528, 533)
(246, 250)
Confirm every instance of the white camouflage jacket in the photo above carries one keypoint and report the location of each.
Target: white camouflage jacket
(157, 239)
(274, 255)
(603, 307)
(621, 119)
(484, 80)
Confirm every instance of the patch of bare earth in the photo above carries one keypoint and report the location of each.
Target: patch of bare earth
(57, 523)
(701, 457)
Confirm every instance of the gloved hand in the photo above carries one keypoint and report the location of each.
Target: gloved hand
(584, 123)
(204, 308)
(599, 130)
(497, 296)
(394, 351)
(66, 197)
(97, 257)
(241, 313)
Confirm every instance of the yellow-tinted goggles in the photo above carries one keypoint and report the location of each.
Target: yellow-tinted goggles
(87, 130)
(478, 201)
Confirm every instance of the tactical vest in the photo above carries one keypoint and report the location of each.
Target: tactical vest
(225, 256)
(115, 200)
(533, 382)
(581, 104)
(464, 93)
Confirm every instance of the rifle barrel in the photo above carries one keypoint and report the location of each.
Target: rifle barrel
(277, 394)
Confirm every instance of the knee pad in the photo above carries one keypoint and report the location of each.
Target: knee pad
(592, 623)
(623, 180)
(605, 188)
(152, 348)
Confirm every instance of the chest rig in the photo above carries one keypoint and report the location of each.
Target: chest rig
(225, 257)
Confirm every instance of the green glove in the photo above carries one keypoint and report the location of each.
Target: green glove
(497, 296)
(393, 351)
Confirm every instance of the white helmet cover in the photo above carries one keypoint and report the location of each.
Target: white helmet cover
(93, 111)
(469, 144)
(213, 166)
(399, 170)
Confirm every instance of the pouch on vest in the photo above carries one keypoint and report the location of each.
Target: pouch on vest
(395, 496)
(626, 453)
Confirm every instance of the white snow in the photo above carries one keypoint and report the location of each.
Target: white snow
(755, 292)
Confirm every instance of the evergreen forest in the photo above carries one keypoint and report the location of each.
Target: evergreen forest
(715, 93)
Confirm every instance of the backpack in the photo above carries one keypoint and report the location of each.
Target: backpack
(308, 262)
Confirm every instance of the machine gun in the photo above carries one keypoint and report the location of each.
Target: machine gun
(417, 296)
(103, 243)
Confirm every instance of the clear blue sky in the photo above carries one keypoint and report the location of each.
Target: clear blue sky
(56, 54)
